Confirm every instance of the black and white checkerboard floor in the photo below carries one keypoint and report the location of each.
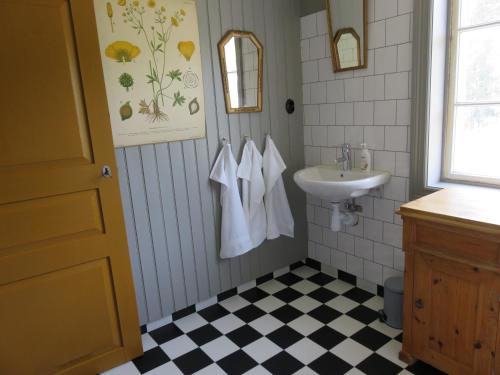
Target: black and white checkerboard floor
(302, 322)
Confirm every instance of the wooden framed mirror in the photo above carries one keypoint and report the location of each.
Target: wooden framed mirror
(348, 31)
(241, 62)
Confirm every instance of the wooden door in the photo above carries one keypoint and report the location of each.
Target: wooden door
(67, 303)
(455, 315)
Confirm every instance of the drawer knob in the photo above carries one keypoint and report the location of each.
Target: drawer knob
(419, 303)
(477, 345)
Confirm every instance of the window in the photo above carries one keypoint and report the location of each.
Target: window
(456, 94)
(472, 137)
(232, 73)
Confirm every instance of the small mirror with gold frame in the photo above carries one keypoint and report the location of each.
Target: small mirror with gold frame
(347, 49)
(241, 63)
(348, 30)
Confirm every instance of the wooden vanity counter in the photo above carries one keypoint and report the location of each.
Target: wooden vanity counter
(451, 241)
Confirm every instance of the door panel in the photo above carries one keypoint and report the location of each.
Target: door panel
(72, 303)
(448, 296)
(50, 218)
(45, 120)
(66, 294)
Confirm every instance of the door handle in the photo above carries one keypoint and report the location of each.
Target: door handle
(106, 171)
(419, 303)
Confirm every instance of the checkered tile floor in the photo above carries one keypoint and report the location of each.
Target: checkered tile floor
(302, 322)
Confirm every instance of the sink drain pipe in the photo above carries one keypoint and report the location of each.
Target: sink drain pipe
(341, 217)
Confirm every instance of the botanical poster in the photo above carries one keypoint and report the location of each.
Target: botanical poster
(151, 60)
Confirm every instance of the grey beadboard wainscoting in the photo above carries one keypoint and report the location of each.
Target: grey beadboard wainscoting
(172, 210)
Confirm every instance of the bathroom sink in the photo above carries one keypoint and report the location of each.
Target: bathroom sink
(329, 183)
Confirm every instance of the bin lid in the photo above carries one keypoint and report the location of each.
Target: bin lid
(394, 284)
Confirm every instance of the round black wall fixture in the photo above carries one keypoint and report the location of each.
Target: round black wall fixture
(290, 106)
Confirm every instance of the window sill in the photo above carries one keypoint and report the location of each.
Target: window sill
(457, 185)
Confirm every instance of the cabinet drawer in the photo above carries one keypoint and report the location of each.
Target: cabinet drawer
(437, 237)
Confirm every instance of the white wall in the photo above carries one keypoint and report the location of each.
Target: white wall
(370, 105)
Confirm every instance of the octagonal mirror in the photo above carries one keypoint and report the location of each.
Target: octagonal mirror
(347, 49)
(348, 31)
(241, 67)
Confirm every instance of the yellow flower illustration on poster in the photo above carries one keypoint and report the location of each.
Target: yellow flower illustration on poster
(152, 70)
(186, 49)
(122, 51)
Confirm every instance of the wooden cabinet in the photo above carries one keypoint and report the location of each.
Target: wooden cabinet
(452, 282)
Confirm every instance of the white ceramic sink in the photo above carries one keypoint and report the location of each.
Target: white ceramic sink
(329, 183)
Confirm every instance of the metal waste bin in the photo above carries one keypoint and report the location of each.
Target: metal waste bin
(392, 314)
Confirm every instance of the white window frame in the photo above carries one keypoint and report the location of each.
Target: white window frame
(452, 103)
(432, 53)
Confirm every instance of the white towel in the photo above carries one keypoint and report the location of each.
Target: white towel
(279, 216)
(250, 171)
(235, 239)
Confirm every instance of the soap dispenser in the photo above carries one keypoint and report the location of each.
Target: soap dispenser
(366, 160)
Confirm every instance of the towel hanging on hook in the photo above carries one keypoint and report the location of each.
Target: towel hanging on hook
(253, 190)
(235, 239)
(279, 216)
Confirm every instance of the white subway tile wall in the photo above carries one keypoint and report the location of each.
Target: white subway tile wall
(369, 105)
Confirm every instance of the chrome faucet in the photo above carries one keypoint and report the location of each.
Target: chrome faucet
(345, 159)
